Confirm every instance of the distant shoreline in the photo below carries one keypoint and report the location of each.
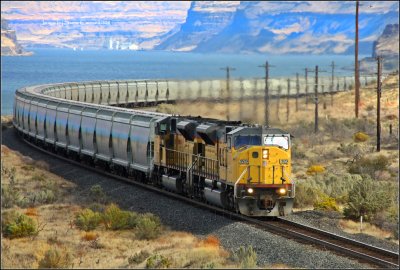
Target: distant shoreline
(18, 54)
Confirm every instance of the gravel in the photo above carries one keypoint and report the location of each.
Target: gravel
(270, 248)
(329, 221)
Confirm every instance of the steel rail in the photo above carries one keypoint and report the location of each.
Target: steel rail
(388, 262)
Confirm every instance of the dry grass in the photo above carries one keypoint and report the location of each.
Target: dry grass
(99, 248)
(32, 212)
(353, 227)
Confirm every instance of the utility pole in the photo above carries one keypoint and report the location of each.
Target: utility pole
(356, 75)
(278, 102)
(266, 94)
(228, 99)
(306, 73)
(324, 94)
(241, 99)
(297, 91)
(378, 106)
(287, 100)
(332, 81)
(316, 100)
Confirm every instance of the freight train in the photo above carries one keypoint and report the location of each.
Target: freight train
(241, 167)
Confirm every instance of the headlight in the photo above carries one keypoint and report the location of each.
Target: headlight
(282, 191)
(250, 190)
(265, 153)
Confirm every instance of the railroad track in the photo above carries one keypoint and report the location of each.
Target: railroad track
(343, 246)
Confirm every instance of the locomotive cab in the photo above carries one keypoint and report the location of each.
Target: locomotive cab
(261, 171)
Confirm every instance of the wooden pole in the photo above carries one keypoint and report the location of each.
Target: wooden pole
(316, 100)
(356, 75)
(287, 100)
(297, 91)
(378, 106)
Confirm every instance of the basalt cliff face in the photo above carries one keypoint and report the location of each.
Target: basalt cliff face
(276, 27)
(386, 46)
(9, 42)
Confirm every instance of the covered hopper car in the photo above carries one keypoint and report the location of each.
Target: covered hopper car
(241, 167)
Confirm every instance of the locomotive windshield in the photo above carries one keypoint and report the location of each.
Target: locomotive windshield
(277, 140)
(243, 140)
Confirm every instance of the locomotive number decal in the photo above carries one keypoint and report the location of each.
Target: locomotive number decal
(283, 161)
(244, 161)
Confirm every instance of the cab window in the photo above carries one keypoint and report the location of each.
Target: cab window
(247, 140)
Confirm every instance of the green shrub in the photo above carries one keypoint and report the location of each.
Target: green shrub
(138, 257)
(15, 225)
(366, 198)
(369, 166)
(158, 261)
(97, 194)
(97, 207)
(55, 258)
(87, 220)
(246, 257)
(116, 219)
(148, 227)
(326, 203)
(305, 195)
(360, 137)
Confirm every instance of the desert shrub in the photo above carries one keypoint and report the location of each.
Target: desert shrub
(41, 164)
(246, 257)
(158, 261)
(326, 203)
(315, 169)
(148, 227)
(166, 108)
(366, 165)
(38, 177)
(370, 108)
(45, 196)
(87, 220)
(364, 125)
(139, 257)
(116, 219)
(97, 207)
(10, 196)
(306, 195)
(366, 198)
(350, 149)
(298, 152)
(360, 137)
(97, 194)
(90, 236)
(15, 225)
(55, 258)
(336, 129)
(301, 129)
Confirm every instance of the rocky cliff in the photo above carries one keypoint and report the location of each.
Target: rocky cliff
(9, 42)
(387, 46)
(300, 27)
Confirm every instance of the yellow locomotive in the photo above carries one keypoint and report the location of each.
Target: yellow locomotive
(245, 168)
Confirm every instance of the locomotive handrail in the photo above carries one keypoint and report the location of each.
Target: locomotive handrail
(237, 181)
